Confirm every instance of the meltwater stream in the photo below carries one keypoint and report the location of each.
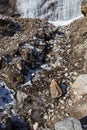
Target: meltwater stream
(52, 10)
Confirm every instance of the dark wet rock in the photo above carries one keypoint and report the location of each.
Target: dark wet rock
(19, 123)
(5, 127)
(64, 88)
(3, 62)
(0, 63)
(8, 27)
(8, 58)
(45, 33)
(83, 121)
(15, 123)
(33, 52)
(3, 1)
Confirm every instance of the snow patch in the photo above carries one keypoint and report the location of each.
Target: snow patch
(63, 23)
(6, 95)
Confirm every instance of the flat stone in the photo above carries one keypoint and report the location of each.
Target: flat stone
(55, 89)
(68, 124)
(80, 85)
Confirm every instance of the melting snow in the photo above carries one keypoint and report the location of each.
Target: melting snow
(63, 23)
(6, 95)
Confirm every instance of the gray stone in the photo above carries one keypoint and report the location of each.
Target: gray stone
(21, 96)
(80, 85)
(68, 124)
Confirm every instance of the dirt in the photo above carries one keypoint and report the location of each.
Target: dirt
(64, 60)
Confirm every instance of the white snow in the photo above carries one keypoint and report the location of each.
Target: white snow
(42, 43)
(63, 23)
(6, 95)
(31, 47)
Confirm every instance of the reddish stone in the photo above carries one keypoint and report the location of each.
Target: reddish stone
(55, 89)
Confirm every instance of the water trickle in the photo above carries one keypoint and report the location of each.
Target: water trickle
(49, 9)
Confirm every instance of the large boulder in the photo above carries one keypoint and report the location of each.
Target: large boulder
(78, 41)
(80, 85)
(68, 124)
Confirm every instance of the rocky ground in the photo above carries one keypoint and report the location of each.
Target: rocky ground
(38, 66)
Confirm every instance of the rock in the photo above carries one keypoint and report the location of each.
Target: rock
(17, 63)
(36, 116)
(35, 126)
(33, 52)
(8, 27)
(55, 89)
(68, 124)
(64, 88)
(80, 85)
(84, 7)
(19, 123)
(45, 33)
(21, 96)
(14, 123)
